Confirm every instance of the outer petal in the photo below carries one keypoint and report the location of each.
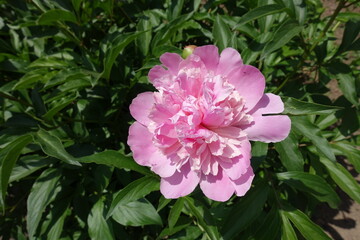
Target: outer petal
(180, 184)
(268, 128)
(171, 61)
(250, 83)
(209, 55)
(218, 188)
(269, 103)
(141, 106)
(230, 60)
(146, 154)
(243, 184)
(238, 166)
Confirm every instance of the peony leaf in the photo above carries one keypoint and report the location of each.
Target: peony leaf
(288, 232)
(221, 32)
(297, 107)
(245, 211)
(99, 228)
(175, 212)
(137, 213)
(133, 191)
(270, 228)
(305, 226)
(290, 155)
(204, 218)
(115, 159)
(347, 85)
(42, 193)
(350, 151)
(312, 184)
(260, 12)
(54, 15)
(343, 178)
(303, 126)
(8, 157)
(52, 146)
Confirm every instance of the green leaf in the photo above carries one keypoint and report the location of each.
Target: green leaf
(8, 158)
(352, 29)
(312, 184)
(143, 41)
(350, 151)
(204, 218)
(98, 227)
(245, 211)
(42, 193)
(282, 36)
(270, 228)
(26, 165)
(52, 146)
(53, 224)
(347, 85)
(305, 226)
(288, 232)
(137, 213)
(115, 159)
(290, 155)
(116, 47)
(133, 191)
(297, 107)
(343, 178)
(221, 32)
(260, 12)
(258, 154)
(303, 126)
(54, 15)
(64, 102)
(175, 212)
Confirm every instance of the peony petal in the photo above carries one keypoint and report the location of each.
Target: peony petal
(238, 165)
(180, 184)
(171, 61)
(141, 107)
(243, 184)
(250, 83)
(218, 188)
(269, 128)
(209, 55)
(229, 60)
(140, 142)
(146, 154)
(160, 77)
(269, 103)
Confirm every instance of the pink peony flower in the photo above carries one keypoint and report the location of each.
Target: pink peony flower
(196, 128)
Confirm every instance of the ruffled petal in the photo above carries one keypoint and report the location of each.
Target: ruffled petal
(269, 128)
(180, 184)
(160, 77)
(229, 60)
(218, 188)
(243, 184)
(250, 83)
(141, 107)
(234, 168)
(209, 55)
(171, 61)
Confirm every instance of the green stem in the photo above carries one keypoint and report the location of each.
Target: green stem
(340, 6)
(4, 95)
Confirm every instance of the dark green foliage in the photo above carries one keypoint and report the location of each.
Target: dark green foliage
(70, 68)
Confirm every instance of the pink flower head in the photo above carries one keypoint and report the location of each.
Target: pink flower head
(196, 128)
